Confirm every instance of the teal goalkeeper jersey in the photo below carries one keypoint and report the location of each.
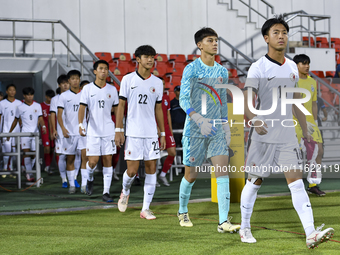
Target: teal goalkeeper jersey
(199, 79)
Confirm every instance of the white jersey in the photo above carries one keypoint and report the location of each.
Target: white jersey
(54, 108)
(141, 95)
(264, 76)
(8, 111)
(99, 102)
(29, 115)
(69, 102)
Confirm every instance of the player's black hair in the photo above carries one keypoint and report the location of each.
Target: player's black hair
(100, 61)
(62, 78)
(28, 91)
(11, 85)
(278, 19)
(58, 91)
(84, 82)
(1, 94)
(204, 32)
(73, 72)
(145, 50)
(50, 93)
(302, 58)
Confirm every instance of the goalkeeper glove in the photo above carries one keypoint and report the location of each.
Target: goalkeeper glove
(310, 128)
(205, 125)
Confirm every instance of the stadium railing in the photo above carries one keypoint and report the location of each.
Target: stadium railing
(18, 154)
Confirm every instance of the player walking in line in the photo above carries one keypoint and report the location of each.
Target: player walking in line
(276, 145)
(142, 91)
(201, 139)
(99, 98)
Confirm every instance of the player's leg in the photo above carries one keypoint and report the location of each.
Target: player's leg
(84, 172)
(93, 153)
(149, 189)
(47, 151)
(14, 149)
(77, 163)
(61, 160)
(70, 148)
(26, 147)
(115, 158)
(171, 149)
(6, 148)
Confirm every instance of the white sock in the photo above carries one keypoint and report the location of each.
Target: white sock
(90, 172)
(149, 190)
(127, 182)
(6, 148)
(62, 166)
(70, 176)
(162, 174)
(248, 198)
(107, 178)
(77, 163)
(302, 205)
(84, 177)
(28, 164)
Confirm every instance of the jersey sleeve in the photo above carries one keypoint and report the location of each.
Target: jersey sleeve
(40, 110)
(84, 96)
(17, 112)
(184, 96)
(224, 110)
(253, 77)
(61, 103)
(53, 107)
(123, 92)
(115, 98)
(159, 92)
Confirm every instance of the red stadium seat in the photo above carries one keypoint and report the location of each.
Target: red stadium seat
(305, 41)
(330, 73)
(192, 57)
(104, 56)
(322, 42)
(327, 96)
(179, 58)
(218, 59)
(161, 58)
(160, 70)
(319, 73)
(172, 95)
(122, 56)
(233, 73)
(323, 88)
(335, 42)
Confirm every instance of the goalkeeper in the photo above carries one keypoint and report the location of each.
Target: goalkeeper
(206, 133)
(303, 61)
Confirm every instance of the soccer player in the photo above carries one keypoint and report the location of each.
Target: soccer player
(201, 139)
(8, 108)
(47, 142)
(272, 144)
(30, 114)
(169, 137)
(303, 61)
(99, 98)
(68, 105)
(56, 132)
(142, 91)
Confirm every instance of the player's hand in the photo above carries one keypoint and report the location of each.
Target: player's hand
(226, 129)
(159, 133)
(205, 125)
(82, 132)
(119, 139)
(310, 127)
(43, 129)
(55, 134)
(65, 133)
(307, 136)
(163, 143)
(260, 127)
(324, 118)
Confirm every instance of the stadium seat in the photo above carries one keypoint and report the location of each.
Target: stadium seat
(122, 56)
(179, 58)
(176, 80)
(322, 42)
(233, 73)
(319, 73)
(172, 95)
(176, 71)
(192, 57)
(330, 73)
(305, 41)
(160, 70)
(335, 42)
(161, 58)
(104, 56)
(323, 88)
(218, 59)
(327, 96)
(122, 70)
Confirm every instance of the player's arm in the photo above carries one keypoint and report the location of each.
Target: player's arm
(160, 121)
(50, 128)
(81, 115)
(52, 118)
(224, 108)
(315, 111)
(61, 122)
(14, 123)
(325, 113)
(301, 118)
(41, 123)
(119, 137)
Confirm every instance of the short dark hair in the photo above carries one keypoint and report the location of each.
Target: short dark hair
(302, 58)
(11, 85)
(50, 93)
(145, 50)
(84, 82)
(73, 72)
(58, 91)
(28, 91)
(62, 78)
(278, 19)
(204, 32)
(100, 61)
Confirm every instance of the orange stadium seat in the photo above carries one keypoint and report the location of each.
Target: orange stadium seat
(328, 96)
(192, 57)
(330, 73)
(322, 42)
(305, 41)
(104, 56)
(335, 42)
(319, 73)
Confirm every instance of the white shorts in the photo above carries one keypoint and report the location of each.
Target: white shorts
(266, 158)
(28, 143)
(100, 146)
(12, 140)
(58, 146)
(72, 144)
(141, 148)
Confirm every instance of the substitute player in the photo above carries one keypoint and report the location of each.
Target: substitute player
(30, 114)
(274, 146)
(201, 139)
(47, 142)
(56, 132)
(99, 98)
(303, 61)
(8, 108)
(142, 91)
(169, 137)
(68, 106)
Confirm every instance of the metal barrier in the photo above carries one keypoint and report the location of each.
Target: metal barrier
(18, 153)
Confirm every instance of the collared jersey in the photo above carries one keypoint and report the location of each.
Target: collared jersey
(141, 95)
(8, 111)
(29, 115)
(99, 102)
(265, 76)
(200, 79)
